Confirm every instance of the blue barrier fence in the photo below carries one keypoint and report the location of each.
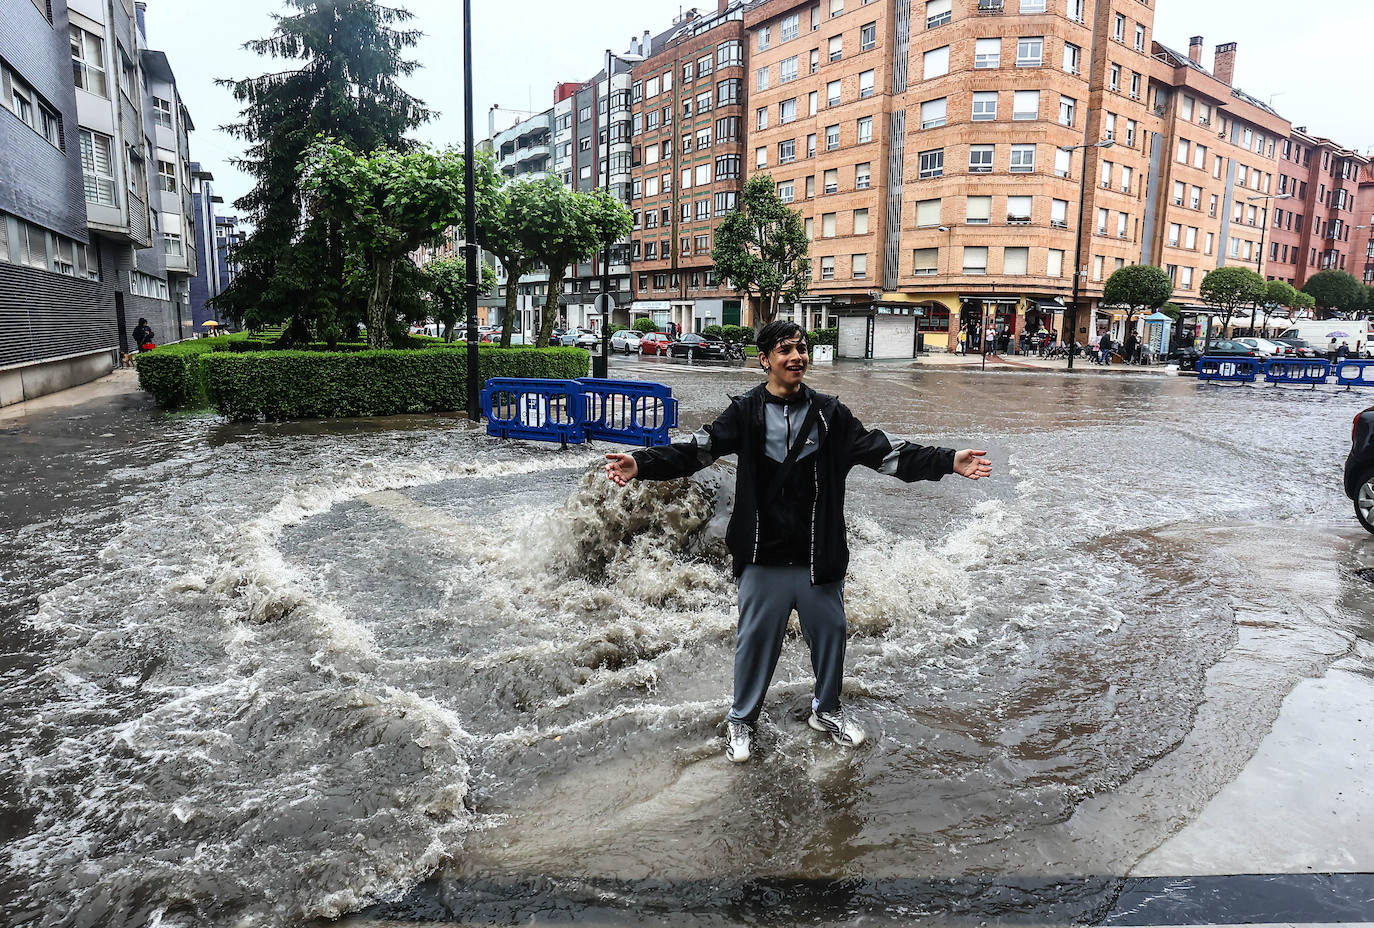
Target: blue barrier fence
(574, 411)
(1297, 370)
(1355, 373)
(628, 411)
(1228, 370)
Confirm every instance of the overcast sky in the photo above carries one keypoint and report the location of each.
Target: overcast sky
(1308, 58)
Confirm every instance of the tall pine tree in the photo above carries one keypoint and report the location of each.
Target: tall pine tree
(350, 55)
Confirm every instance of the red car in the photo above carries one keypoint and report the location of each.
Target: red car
(655, 343)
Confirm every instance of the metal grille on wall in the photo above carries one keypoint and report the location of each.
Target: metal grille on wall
(896, 164)
(44, 316)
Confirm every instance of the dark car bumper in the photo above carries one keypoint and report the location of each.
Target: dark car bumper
(1359, 464)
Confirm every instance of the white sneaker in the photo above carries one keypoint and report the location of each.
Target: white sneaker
(739, 741)
(842, 729)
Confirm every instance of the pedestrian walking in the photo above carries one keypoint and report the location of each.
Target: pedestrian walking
(963, 340)
(786, 535)
(143, 334)
(1104, 349)
(1130, 347)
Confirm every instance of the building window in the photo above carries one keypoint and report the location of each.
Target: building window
(728, 92)
(828, 268)
(1067, 106)
(935, 63)
(811, 145)
(726, 201)
(927, 213)
(727, 166)
(88, 61)
(859, 267)
(761, 118)
(832, 93)
(861, 176)
(730, 54)
(836, 48)
(1032, 6)
(171, 243)
(977, 210)
(933, 113)
(987, 53)
(1014, 261)
(787, 151)
(785, 191)
(832, 138)
(167, 176)
(980, 159)
(868, 37)
(760, 157)
(787, 111)
(865, 84)
(1059, 214)
(1022, 159)
(727, 130)
(1025, 104)
(761, 79)
(96, 154)
(984, 105)
(1030, 51)
(787, 70)
(1114, 77)
(975, 259)
(705, 65)
(924, 261)
(931, 163)
(1019, 210)
(860, 222)
(865, 129)
(1072, 56)
(938, 12)
(1054, 264)
(789, 27)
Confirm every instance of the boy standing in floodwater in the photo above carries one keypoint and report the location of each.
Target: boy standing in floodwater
(787, 533)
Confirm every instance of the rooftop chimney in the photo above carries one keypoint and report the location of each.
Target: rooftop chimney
(646, 48)
(1224, 64)
(1195, 49)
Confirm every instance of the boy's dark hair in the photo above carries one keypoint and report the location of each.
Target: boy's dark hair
(775, 332)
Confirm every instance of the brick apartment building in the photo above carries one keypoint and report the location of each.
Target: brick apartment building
(1316, 225)
(688, 115)
(1364, 228)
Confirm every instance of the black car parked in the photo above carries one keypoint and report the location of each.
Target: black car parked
(1220, 348)
(697, 346)
(1359, 468)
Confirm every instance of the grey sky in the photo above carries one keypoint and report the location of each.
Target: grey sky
(1310, 56)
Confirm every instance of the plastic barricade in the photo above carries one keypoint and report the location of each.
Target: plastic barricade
(1355, 372)
(628, 411)
(543, 410)
(1228, 370)
(1297, 370)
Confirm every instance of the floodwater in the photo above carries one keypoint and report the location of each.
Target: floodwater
(261, 675)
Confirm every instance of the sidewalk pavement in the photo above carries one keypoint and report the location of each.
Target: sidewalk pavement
(118, 382)
(1032, 363)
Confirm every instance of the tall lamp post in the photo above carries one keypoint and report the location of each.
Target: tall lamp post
(601, 364)
(470, 218)
(1264, 228)
(1078, 270)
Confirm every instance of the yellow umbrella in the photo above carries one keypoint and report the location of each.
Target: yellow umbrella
(212, 323)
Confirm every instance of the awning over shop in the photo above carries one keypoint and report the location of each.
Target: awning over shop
(990, 300)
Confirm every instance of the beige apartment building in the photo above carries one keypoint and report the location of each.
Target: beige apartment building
(941, 160)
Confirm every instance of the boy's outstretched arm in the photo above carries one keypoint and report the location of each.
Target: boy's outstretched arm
(972, 464)
(621, 468)
(682, 458)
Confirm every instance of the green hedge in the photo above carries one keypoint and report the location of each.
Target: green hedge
(174, 374)
(829, 336)
(645, 324)
(317, 384)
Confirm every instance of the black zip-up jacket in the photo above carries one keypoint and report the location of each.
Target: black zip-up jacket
(844, 442)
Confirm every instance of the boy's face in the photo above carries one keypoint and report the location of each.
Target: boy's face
(786, 363)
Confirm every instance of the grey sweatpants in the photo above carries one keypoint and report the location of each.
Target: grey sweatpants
(767, 596)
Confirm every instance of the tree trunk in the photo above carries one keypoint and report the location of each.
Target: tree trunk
(378, 301)
(550, 310)
(513, 274)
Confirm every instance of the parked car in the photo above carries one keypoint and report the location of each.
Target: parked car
(654, 343)
(692, 345)
(1220, 348)
(1359, 468)
(579, 338)
(1296, 348)
(494, 338)
(1268, 347)
(626, 340)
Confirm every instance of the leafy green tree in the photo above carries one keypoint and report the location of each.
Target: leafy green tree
(388, 203)
(1141, 288)
(1334, 290)
(1279, 293)
(1304, 302)
(645, 325)
(505, 228)
(761, 248)
(446, 284)
(1229, 289)
(562, 226)
(348, 56)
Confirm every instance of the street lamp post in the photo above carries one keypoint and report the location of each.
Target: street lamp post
(1078, 270)
(601, 364)
(470, 218)
(1264, 228)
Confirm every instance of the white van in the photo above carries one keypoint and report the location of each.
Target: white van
(1356, 334)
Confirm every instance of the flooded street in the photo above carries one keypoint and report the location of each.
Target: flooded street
(262, 675)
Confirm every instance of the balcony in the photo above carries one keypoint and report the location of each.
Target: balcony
(1059, 224)
(992, 6)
